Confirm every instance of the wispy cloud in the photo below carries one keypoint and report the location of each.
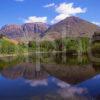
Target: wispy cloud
(97, 23)
(19, 0)
(33, 19)
(49, 5)
(65, 10)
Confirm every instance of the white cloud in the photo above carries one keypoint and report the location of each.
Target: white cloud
(60, 83)
(49, 5)
(97, 23)
(19, 0)
(65, 10)
(33, 19)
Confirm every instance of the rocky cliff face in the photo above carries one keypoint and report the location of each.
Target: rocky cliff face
(12, 31)
(24, 32)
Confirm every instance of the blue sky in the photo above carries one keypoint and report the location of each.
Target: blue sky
(49, 11)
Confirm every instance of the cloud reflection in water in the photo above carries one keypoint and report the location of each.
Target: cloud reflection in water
(35, 83)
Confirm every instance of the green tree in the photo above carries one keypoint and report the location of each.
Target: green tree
(46, 46)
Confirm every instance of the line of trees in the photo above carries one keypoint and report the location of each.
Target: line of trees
(65, 44)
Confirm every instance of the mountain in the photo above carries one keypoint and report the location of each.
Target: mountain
(25, 32)
(71, 26)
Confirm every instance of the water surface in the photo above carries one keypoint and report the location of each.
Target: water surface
(49, 77)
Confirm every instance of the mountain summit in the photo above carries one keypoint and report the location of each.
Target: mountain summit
(71, 26)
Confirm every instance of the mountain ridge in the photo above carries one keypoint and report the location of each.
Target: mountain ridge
(24, 32)
(71, 26)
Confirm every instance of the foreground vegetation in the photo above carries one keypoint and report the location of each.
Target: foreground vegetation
(68, 45)
(8, 47)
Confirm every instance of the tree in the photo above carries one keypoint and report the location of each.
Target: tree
(46, 46)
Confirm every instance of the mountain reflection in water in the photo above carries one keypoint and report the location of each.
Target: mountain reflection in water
(49, 77)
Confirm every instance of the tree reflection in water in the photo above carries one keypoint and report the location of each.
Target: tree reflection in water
(56, 78)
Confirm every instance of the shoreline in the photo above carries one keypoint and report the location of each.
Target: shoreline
(27, 53)
(12, 55)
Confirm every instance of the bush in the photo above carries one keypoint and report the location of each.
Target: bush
(7, 47)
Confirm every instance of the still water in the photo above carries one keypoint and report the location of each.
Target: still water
(49, 77)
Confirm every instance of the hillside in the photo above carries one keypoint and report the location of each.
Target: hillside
(12, 41)
(71, 26)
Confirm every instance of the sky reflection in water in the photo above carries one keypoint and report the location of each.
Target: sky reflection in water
(23, 81)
